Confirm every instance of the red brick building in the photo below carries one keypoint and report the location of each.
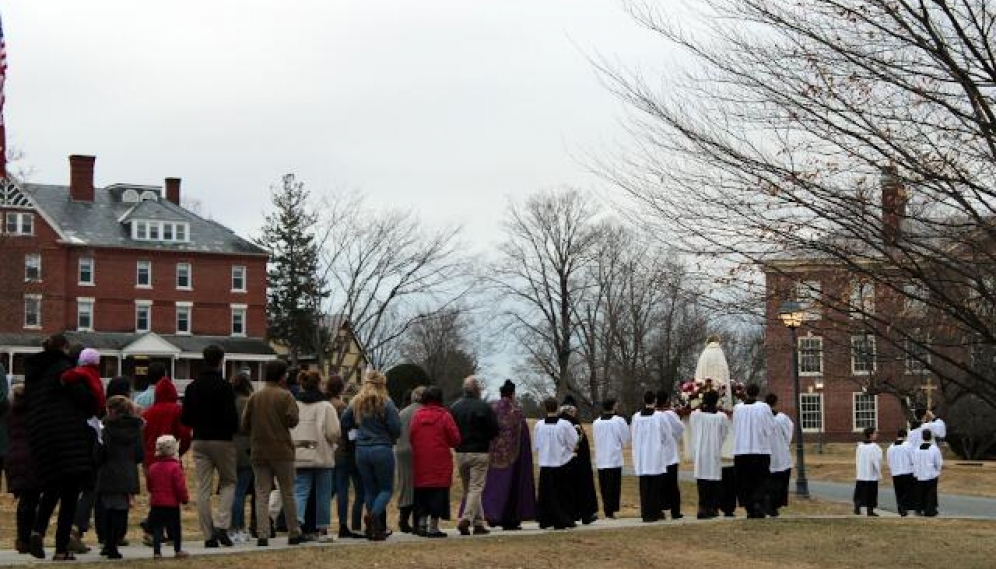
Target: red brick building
(847, 373)
(125, 269)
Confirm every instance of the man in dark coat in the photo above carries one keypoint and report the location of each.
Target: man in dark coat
(478, 427)
(585, 503)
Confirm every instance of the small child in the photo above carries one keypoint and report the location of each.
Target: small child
(117, 475)
(868, 463)
(87, 373)
(927, 464)
(167, 491)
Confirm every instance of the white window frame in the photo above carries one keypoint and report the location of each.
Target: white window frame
(862, 298)
(818, 351)
(32, 262)
(243, 310)
(244, 272)
(804, 414)
(854, 411)
(79, 271)
(151, 230)
(82, 302)
(147, 306)
(35, 299)
(184, 307)
(19, 223)
(190, 276)
(874, 354)
(138, 273)
(809, 295)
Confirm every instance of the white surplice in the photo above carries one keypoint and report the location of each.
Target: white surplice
(900, 457)
(677, 429)
(611, 435)
(753, 426)
(650, 436)
(927, 463)
(868, 462)
(781, 442)
(554, 442)
(708, 431)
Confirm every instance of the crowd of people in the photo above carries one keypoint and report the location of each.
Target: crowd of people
(301, 441)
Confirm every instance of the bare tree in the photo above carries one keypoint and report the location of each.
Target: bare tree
(441, 344)
(541, 275)
(771, 144)
(383, 267)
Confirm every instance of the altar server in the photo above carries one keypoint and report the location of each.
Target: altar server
(927, 464)
(611, 435)
(650, 434)
(555, 440)
(753, 426)
(708, 429)
(671, 499)
(900, 458)
(780, 469)
(868, 466)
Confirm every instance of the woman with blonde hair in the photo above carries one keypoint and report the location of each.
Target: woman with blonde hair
(373, 423)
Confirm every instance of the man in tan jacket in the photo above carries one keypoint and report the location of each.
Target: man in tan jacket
(269, 416)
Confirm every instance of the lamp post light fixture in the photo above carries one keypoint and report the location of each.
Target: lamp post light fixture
(818, 385)
(791, 314)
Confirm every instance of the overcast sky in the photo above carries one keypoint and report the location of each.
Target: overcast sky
(447, 106)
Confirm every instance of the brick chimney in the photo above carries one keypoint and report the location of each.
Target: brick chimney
(893, 204)
(173, 190)
(81, 177)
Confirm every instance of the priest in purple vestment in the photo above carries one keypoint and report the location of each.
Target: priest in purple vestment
(509, 494)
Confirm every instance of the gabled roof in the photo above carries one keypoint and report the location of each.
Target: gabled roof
(101, 223)
(149, 342)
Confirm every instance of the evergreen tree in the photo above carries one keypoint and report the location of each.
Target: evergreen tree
(295, 290)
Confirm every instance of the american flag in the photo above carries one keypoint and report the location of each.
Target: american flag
(3, 98)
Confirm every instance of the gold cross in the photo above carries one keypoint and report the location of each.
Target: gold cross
(929, 387)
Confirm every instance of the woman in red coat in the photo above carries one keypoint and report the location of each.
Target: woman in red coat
(434, 435)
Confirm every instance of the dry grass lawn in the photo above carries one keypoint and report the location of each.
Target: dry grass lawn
(799, 543)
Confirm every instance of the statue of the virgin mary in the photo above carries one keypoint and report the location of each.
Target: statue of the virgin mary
(712, 366)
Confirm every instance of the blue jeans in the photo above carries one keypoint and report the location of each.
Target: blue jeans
(343, 474)
(376, 465)
(321, 480)
(243, 482)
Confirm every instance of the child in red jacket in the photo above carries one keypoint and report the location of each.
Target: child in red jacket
(167, 491)
(87, 373)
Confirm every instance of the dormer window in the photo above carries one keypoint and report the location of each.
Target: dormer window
(149, 196)
(164, 231)
(130, 196)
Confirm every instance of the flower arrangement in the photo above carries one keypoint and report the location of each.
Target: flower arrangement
(690, 393)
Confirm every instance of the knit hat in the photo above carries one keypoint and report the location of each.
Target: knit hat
(166, 446)
(89, 357)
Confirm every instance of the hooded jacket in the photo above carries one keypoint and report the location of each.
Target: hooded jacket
(122, 451)
(163, 418)
(167, 487)
(88, 375)
(434, 434)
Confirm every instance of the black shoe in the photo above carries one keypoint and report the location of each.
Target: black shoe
(114, 555)
(435, 534)
(262, 542)
(857, 511)
(36, 546)
(481, 530)
(464, 527)
(211, 543)
(222, 537)
(298, 540)
(590, 519)
(872, 514)
(344, 533)
(677, 516)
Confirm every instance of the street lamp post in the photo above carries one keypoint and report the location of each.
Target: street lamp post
(791, 315)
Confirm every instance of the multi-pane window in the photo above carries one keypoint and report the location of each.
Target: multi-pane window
(917, 356)
(915, 299)
(811, 406)
(862, 298)
(19, 223)
(865, 411)
(238, 278)
(183, 280)
(166, 231)
(238, 320)
(863, 354)
(84, 314)
(811, 355)
(143, 315)
(32, 311)
(143, 274)
(808, 294)
(86, 271)
(183, 310)
(32, 267)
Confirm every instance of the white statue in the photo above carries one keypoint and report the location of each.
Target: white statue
(712, 365)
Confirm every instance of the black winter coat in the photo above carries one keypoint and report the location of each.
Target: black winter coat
(477, 422)
(60, 439)
(19, 466)
(120, 456)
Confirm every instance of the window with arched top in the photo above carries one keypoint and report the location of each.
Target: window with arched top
(148, 196)
(129, 196)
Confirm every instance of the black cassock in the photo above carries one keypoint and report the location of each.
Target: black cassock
(584, 503)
